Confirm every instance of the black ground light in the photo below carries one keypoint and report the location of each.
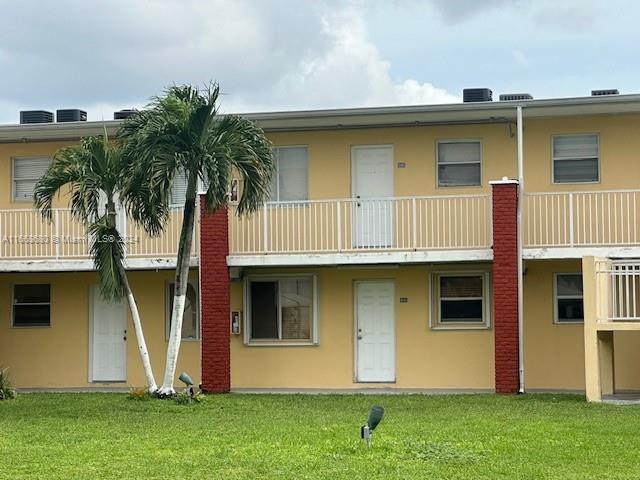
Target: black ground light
(375, 417)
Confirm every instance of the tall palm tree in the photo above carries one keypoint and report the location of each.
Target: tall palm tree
(95, 171)
(182, 133)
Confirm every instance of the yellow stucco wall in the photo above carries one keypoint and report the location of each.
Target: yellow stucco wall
(425, 358)
(58, 356)
(554, 353)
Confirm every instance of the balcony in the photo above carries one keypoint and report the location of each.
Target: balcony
(585, 223)
(27, 242)
(352, 230)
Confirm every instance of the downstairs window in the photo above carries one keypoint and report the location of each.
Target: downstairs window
(461, 300)
(281, 310)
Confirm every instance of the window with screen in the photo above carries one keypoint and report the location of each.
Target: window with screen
(281, 309)
(289, 181)
(576, 158)
(32, 305)
(459, 163)
(26, 173)
(569, 306)
(460, 300)
(191, 318)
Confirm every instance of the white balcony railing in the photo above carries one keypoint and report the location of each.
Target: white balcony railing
(568, 219)
(25, 235)
(359, 225)
(618, 290)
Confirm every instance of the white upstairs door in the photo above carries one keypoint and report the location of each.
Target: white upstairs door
(372, 188)
(375, 332)
(108, 342)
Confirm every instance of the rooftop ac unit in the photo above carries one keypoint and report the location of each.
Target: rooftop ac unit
(122, 114)
(476, 95)
(71, 115)
(515, 96)
(608, 91)
(36, 116)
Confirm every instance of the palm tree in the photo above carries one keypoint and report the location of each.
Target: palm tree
(95, 172)
(182, 133)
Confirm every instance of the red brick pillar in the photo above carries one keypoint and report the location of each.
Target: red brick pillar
(214, 300)
(505, 284)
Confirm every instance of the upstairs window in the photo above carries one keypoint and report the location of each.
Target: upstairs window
(569, 306)
(289, 180)
(459, 163)
(281, 310)
(26, 173)
(178, 189)
(576, 158)
(32, 305)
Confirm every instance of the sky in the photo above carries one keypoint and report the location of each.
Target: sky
(271, 55)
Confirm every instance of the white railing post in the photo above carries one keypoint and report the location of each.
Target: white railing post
(56, 230)
(414, 221)
(265, 228)
(339, 225)
(571, 238)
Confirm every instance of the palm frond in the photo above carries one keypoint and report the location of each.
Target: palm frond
(107, 250)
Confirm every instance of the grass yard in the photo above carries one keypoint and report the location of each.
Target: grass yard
(229, 437)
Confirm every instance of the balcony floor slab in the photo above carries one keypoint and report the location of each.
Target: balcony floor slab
(360, 258)
(85, 265)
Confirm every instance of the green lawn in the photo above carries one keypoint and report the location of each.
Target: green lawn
(295, 436)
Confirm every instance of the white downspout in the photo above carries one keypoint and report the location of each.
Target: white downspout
(519, 140)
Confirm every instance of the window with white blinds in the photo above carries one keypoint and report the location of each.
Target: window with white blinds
(576, 158)
(289, 180)
(179, 189)
(460, 300)
(459, 163)
(26, 173)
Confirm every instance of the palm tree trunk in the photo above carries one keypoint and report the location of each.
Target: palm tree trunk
(137, 325)
(133, 306)
(180, 290)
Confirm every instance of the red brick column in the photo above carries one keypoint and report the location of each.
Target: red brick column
(505, 284)
(214, 301)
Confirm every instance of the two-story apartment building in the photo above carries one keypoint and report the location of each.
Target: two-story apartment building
(421, 248)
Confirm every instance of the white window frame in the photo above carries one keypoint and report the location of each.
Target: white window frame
(434, 301)
(13, 304)
(554, 159)
(557, 297)
(315, 318)
(276, 172)
(437, 162)
(167, 323)
(13, 175)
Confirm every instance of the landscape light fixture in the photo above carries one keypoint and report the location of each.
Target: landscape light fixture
(186, 379)
(375, 417)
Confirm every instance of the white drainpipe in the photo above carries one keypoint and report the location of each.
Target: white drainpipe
(520, 263)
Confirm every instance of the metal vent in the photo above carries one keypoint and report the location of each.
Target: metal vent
(36, 116)
(71, 115)
(606, 91)
(477, 95)
(506, 97)
(122, 114)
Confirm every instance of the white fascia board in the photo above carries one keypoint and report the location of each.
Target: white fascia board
(334, 259)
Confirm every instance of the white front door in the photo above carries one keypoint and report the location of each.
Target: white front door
(108, 344)
(372, 189)
(375, 332)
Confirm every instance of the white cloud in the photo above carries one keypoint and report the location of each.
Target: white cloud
(266, 55)
(351, 72)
